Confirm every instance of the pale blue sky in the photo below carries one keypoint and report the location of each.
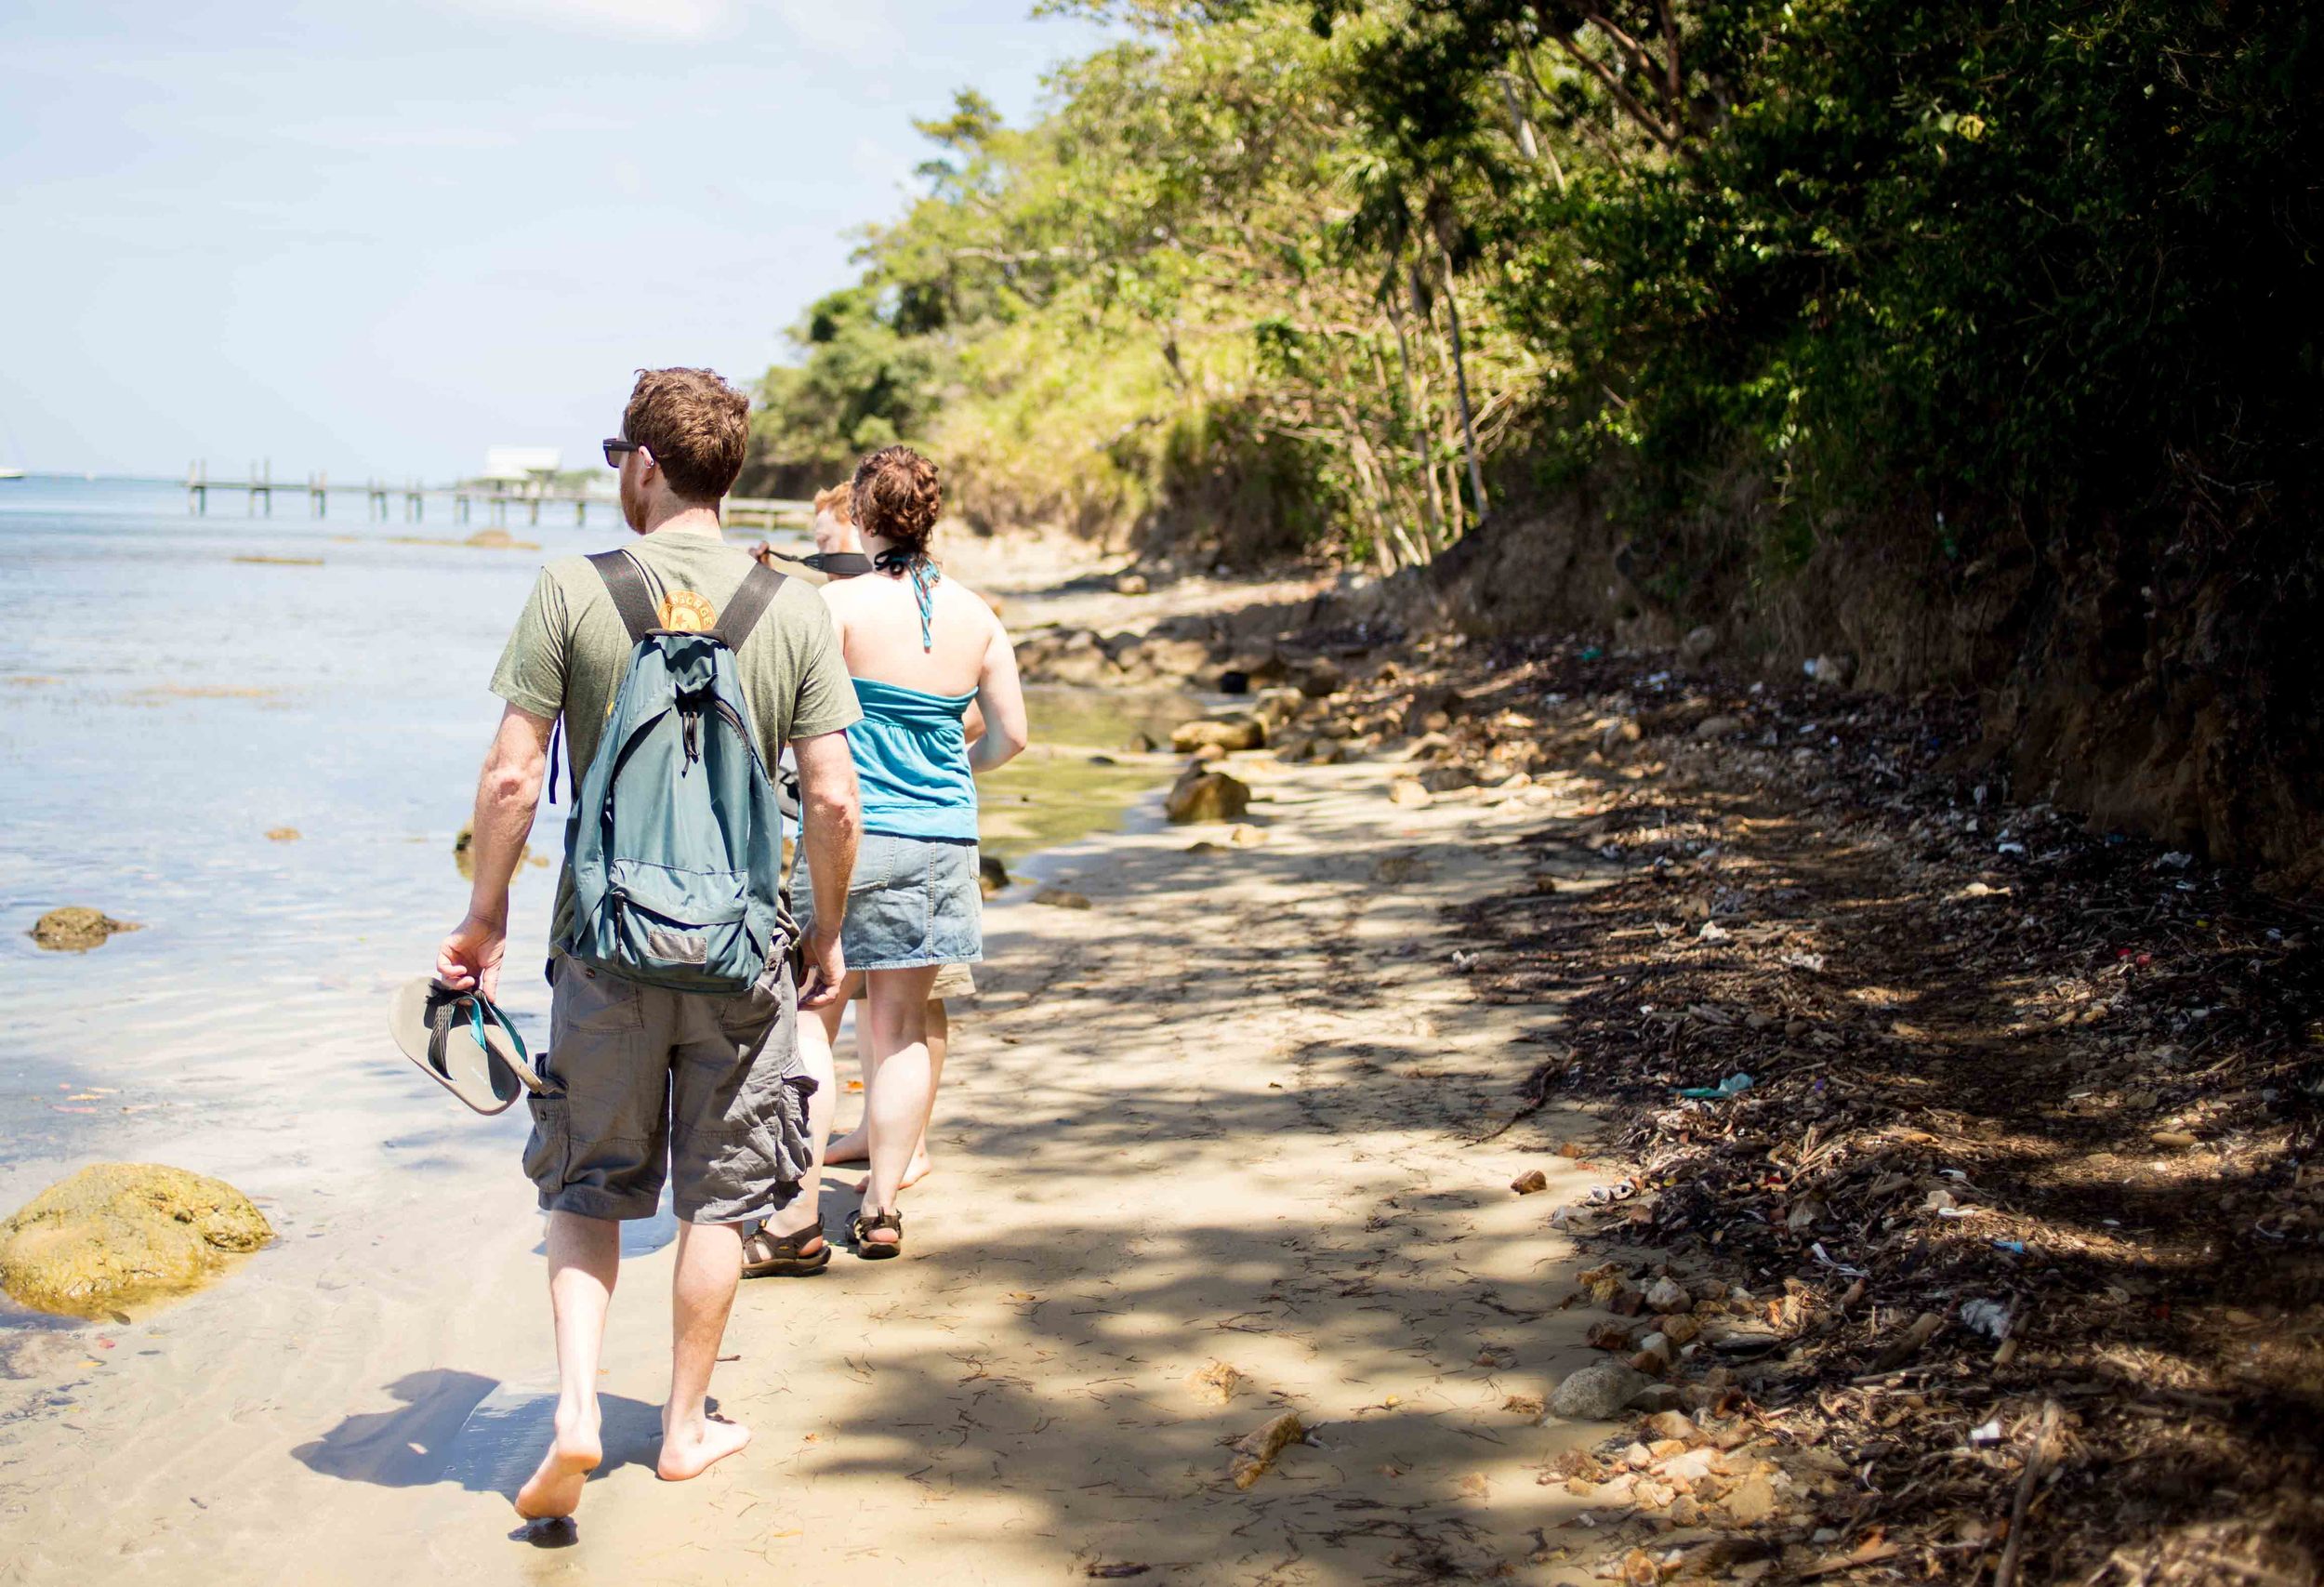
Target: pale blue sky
(382, 237)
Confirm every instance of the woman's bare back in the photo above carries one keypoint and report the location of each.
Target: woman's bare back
(879, 619)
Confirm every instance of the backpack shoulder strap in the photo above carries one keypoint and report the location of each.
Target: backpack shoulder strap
(627, 583)
(748, 605)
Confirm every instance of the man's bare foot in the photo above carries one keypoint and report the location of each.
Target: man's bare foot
(689, 1451)
(555, 1489)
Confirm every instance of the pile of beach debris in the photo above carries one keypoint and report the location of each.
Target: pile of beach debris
(1959, 1195)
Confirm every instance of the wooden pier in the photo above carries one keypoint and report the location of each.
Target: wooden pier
(381, 497)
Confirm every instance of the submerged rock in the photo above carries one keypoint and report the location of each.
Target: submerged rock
(76, 929)
(118, 1232)
(464, 858)
(499, 540)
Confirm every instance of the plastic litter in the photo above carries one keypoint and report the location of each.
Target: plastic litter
(2017, 1248)
(1988, 1318)
(1824, 1259)
(1734, 1085)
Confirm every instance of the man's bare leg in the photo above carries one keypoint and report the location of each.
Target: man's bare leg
(584, 1259)
(817, 1030)
(709, 1266)
(855, 1145)
(899, 1088)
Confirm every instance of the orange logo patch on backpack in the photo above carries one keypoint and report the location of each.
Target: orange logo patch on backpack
(685, 612)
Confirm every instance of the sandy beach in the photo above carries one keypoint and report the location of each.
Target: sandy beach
(1217, 1117)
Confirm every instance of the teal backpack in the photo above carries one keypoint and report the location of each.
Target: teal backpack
(676, 841)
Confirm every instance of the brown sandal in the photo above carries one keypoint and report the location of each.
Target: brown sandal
(876, 1251)
(766, 1257)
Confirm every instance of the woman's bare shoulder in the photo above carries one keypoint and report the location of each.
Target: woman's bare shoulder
(974, 599)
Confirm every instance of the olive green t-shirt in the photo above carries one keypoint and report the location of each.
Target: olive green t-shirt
(569, 651)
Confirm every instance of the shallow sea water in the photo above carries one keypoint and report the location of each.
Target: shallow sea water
(164, 706)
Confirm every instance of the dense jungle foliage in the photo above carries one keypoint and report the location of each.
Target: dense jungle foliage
(1345, 276)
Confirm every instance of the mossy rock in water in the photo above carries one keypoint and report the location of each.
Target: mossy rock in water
(76, 929)
(119, 1232)
(464, 854)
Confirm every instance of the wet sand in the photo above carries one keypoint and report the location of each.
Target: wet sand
(1218, 1117)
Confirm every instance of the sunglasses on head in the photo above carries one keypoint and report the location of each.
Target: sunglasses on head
(615, 446)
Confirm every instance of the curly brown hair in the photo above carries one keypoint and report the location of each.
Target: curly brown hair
(898, 496)
(695, 425)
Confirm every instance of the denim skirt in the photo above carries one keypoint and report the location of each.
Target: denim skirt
(912, 901)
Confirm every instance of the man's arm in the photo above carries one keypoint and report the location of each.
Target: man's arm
(508, 792)
(831, 821)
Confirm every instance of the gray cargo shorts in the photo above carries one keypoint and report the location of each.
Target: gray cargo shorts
(648, 1085)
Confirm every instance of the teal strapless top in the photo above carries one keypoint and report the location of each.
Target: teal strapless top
(911, 762)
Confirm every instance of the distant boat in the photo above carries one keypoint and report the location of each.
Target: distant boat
(8, 473)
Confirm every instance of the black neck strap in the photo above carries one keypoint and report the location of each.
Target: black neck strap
(840, 565)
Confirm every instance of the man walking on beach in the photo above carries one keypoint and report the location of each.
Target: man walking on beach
(646, 1084)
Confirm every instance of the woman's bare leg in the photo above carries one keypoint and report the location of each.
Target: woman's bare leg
(855, 1145)
(899, 1083)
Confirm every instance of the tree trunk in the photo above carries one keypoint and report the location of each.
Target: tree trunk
(1416, 419)
(1461, 380)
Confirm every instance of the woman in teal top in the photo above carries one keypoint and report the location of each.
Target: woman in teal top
(923, 649)
(912, 764)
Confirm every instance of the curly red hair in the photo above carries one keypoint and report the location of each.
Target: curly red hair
(898, 495)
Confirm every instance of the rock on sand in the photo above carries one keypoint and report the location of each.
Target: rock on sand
(1596, 1394)
(1227, 732)
(117, 1232)
(75, 929)
(1206, 796)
